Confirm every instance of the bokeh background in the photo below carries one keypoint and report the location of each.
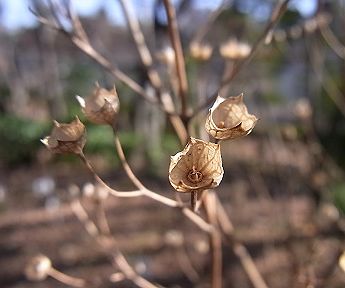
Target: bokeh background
(284, 185)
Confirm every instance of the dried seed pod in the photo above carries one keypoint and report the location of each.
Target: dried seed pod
(197, 167)
(234, 50)
(200, 51)
(66, 137)
(229, 118)
(38, 268)
(102, 106)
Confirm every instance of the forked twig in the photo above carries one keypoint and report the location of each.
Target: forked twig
(155, 196)
(195, 218)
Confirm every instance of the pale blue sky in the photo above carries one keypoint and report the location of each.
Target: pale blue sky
(15, 13)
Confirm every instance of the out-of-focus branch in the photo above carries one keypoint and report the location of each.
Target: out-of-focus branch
(146, 59)
(101, 218)
(278, 11)
(238, 248)
(179, 58)
(79, 38)
(139, 40)
(332, 41)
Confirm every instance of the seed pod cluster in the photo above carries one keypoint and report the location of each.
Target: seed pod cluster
(199, 165)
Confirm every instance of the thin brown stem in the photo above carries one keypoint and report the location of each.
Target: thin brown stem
(66, 279)
(179, 58)
(201, 223)
(278, 11)
(113, 192)
(125, 164)
(215, 239)
(136, 181)
(193, 200)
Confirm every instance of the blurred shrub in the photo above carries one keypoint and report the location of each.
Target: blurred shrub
(19, 139)
(100, 140)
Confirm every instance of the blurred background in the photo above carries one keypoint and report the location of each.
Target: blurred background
(284, 185)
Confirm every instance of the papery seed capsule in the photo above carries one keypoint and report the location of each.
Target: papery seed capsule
(66, 137)
(229, 118)
(197, 167)
(102, 106)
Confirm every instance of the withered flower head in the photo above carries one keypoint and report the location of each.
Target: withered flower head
(38, 268)
(229, 118)
(197, 167)
(200, 51)
(233, 49)
(66, 137)
(102, 106)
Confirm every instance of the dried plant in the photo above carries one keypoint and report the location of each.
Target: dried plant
(196, 170)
